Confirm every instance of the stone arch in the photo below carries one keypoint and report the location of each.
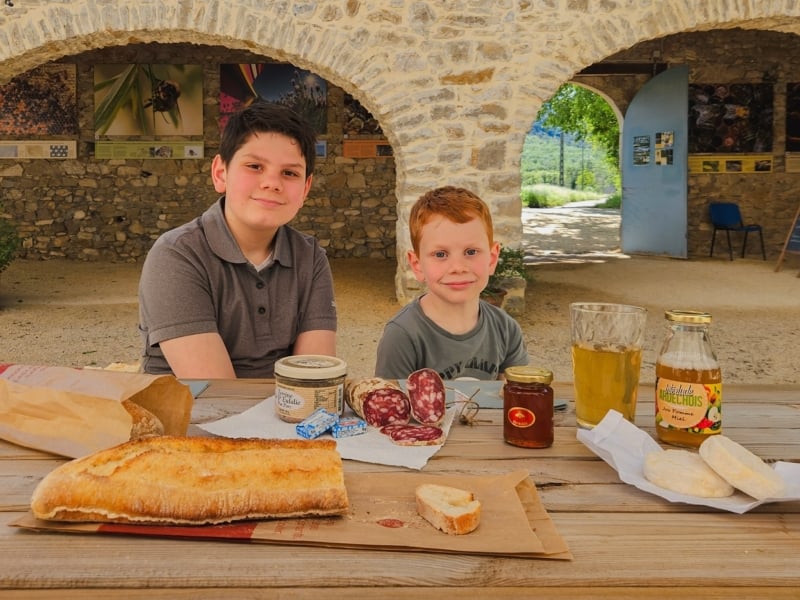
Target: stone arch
(453, 86)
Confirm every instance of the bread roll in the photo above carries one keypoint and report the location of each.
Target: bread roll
(741, 468)
(684, 472)
(145, 423)
(450, 509)
(195, 481)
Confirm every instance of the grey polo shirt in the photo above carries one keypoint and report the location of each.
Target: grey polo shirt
(195, 279)
(412, 341)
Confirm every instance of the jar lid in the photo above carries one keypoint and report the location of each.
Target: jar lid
(688, 316)
(310, 366)
(525, 374)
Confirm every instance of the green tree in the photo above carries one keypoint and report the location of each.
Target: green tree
(576, 110)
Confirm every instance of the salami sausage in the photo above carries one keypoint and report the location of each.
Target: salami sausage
(378, 401)
(386, 407)
(415, 435)
(426, 395)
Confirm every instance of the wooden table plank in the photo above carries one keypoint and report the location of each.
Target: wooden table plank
(626, 543)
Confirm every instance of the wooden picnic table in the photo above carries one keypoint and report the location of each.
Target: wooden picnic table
(625, 542)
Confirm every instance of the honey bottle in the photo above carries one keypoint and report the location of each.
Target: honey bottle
(528, 407)
(688, 382)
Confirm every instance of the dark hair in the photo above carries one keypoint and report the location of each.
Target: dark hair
(261, 116)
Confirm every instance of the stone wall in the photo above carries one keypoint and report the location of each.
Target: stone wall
(455, 86)
(113, 210)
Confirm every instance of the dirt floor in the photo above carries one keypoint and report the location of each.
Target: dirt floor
(85, 314)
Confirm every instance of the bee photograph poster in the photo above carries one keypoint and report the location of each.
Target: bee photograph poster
(134, 100)
(303, 91)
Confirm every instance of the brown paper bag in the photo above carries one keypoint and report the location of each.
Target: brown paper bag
(75, 412)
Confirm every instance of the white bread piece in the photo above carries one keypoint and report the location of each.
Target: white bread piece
(450, 509)
(741, 468)
(684, 472)
(196, 481)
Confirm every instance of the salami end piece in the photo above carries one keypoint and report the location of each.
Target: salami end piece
(378, 401)
(415, 435)
(426, 395)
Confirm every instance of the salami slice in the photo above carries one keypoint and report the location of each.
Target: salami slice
(386, 406)
(427, 396)
(416, 435)
(358, 390)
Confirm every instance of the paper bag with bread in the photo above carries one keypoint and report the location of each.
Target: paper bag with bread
(75, 412)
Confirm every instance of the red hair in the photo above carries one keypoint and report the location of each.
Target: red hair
(455, 204)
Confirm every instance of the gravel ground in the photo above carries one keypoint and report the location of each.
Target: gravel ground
(84, 314)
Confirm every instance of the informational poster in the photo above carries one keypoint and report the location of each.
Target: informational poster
(41, 102)
(726, 163)
(302, 91)
(160, 149)
(358, 121)
(730, 118)
(665, 141)
(793, 117)
(146, 100)
(641, 150)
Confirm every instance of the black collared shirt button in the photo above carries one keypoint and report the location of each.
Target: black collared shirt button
(260, 284)
(261, 310)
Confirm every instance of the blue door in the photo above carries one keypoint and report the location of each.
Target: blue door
(654, 167)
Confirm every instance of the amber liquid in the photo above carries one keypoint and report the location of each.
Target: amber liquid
(680, 437)
(605, 379)
(528, 415)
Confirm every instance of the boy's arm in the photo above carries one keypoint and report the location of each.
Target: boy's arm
(319, 341)
(198, 356)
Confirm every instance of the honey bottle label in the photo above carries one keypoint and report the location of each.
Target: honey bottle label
(691, 407)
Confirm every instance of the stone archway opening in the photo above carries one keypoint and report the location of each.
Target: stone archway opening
(570, 212)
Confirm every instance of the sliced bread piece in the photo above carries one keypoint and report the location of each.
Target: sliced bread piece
(686, 473)
(450, 509)
(741, 468)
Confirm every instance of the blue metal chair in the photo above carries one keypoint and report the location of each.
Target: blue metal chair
(727, 217)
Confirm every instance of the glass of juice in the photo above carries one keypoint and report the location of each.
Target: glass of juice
(607, 343)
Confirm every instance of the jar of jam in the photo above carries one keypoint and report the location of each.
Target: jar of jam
(688, 382)
(528, 407)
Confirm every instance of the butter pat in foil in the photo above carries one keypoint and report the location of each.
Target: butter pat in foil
(348, 426)
(316, 424)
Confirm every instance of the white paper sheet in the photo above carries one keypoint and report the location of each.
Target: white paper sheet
(623, 446)
(261, 421)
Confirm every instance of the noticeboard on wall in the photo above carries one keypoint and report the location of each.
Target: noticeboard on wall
(154, 149)
(366, 148)
(730, 163)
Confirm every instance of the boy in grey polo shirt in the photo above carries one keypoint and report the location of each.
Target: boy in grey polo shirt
(231, 292)
(449, 328)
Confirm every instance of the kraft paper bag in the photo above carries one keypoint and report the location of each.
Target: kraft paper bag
(383, 516)
(75, 412)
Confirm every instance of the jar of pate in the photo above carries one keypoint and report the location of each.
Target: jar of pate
(306, 382)
(528, 407)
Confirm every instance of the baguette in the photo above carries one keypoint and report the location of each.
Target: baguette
(450, 509)
(741, 468)
(196, 481)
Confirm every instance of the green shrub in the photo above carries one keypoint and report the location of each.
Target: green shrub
(548, 196)
(9, 243)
